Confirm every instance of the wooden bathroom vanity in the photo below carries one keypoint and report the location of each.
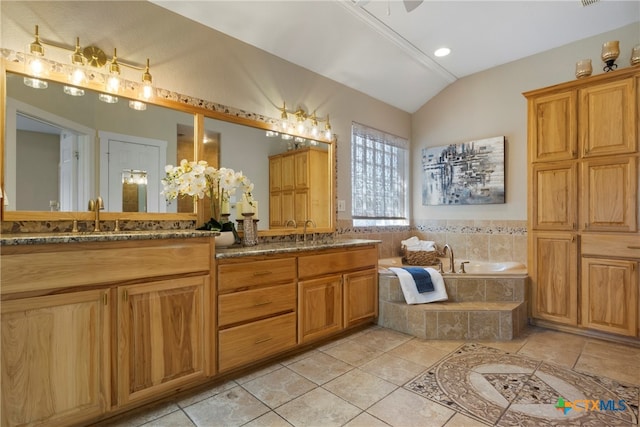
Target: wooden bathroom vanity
(93, 326)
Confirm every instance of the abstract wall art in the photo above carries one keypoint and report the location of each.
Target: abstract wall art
(470, 173)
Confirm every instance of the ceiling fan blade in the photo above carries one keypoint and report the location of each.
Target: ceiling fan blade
(411, 4)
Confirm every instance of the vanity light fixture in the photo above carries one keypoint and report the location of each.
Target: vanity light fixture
(78, 75)
(37, 67)
(302, 123)
(113, 81)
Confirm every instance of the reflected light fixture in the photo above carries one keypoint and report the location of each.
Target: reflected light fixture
(109, 99)
(137, 105)
(303, 124)
(35, 83)
(73, 91)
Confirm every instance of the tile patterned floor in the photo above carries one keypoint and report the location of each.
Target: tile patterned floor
(379, 377)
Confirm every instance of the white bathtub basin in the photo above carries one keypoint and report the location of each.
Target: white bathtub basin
(473, 267)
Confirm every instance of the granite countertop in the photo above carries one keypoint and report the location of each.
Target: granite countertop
(289, 247)
(9, 239)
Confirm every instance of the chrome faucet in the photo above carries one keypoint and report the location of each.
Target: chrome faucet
(452, 266)
(96, 206)
(304, 239)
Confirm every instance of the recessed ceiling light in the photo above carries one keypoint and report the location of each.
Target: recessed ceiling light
(443, 51)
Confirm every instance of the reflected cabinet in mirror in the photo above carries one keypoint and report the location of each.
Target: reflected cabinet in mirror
(64, 147)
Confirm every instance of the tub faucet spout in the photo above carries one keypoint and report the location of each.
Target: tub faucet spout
(452, 265)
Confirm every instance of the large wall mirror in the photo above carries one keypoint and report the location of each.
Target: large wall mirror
(61, 150)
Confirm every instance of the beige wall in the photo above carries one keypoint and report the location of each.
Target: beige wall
(490, 103)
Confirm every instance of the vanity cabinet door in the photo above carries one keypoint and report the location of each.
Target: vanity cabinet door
(609, 194)
(554, 196)
(360, 297)
(319, 308)
(55, 359)
(607, 119)
(610, 295)
(553, 127)
(162, 336)
(554, 277)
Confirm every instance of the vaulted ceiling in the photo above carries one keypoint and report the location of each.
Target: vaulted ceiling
(382, 49)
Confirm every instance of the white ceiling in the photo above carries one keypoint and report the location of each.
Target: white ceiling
(378, 48)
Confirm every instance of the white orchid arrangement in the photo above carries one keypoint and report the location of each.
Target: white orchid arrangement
(198, 179)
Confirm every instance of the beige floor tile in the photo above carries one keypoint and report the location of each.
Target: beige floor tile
(606, 349)
(278, 387)
(403, 408)
(297, 357)
(447, 345)
(260, 372)
(627, 372)
(420, 352)
(190, 399)
(353, 353)
(174, 419)
(318, 408)
(366, 420)
(564, 340)
(270, 419)
(141, 416)
(393, 369)
(233, 407)
(382, 339)
(459, 420)
(320, 368)
(360, 388)
(552, 353)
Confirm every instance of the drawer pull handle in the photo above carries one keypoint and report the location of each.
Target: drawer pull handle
(260, 341)
(262, 303)
(633, 247)
(261, 273)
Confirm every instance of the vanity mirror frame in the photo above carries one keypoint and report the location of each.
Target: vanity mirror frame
(173, 101)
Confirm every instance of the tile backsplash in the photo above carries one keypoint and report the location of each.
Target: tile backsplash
(481, 240)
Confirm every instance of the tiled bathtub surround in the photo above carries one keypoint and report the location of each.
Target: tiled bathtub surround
(478, 308)
(480, 240)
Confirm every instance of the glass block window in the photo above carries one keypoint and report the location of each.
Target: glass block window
(379, 177)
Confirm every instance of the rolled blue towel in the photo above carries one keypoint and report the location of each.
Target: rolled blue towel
(422, 279)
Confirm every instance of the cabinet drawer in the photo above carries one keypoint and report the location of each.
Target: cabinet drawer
(240, 275)
(81, 264)
(611, 246)
(256, 303)
(333, 262)
(254, 341)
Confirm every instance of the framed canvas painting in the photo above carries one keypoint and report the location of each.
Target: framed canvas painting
(471, 173)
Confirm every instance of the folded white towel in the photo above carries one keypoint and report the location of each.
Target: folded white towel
(410, 292)
(415, 244)
(410, 241)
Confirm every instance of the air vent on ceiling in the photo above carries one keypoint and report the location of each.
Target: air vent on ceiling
(588, 2)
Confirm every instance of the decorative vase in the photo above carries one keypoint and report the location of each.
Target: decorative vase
(225, 239)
